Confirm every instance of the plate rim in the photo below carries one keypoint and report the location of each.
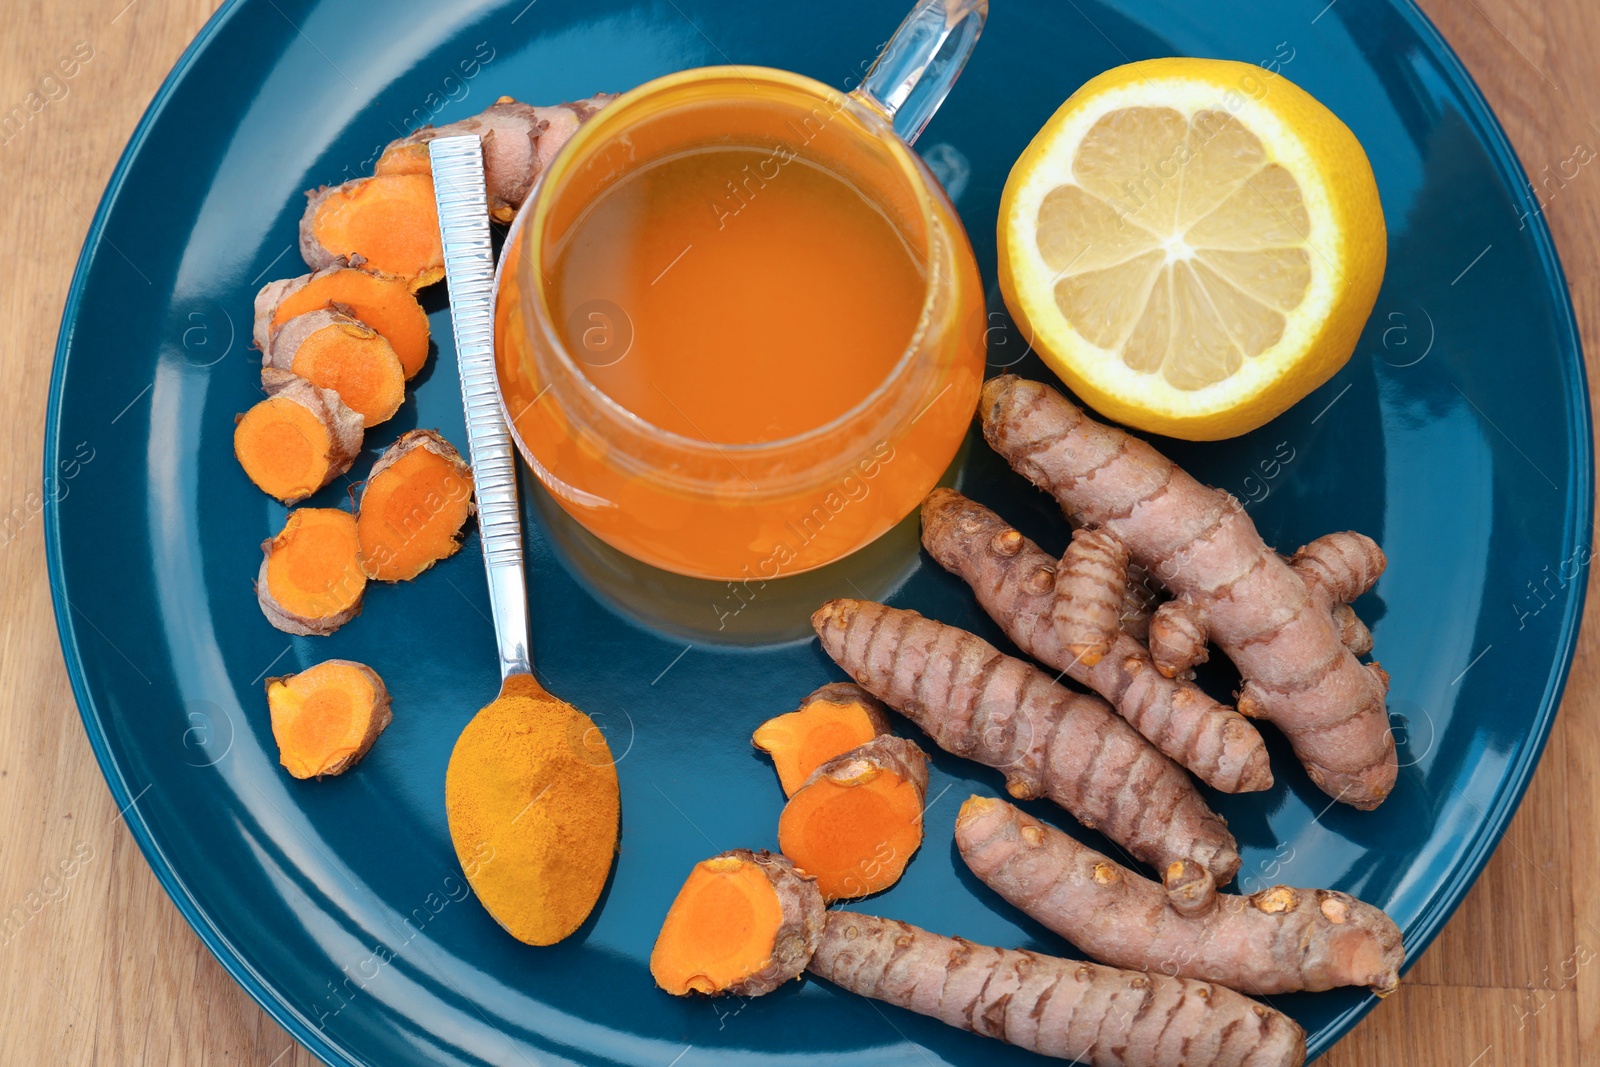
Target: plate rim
(263, 992)
(1497, 814)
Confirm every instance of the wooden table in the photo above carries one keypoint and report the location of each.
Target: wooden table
(108, 973)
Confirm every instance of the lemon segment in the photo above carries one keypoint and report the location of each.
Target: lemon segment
(1193, 245)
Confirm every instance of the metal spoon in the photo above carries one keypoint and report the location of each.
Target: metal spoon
(531, 790)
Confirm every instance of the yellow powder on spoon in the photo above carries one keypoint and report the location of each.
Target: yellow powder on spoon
(531, 796)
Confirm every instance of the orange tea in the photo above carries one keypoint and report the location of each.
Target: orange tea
(736, 294)
(739, 329)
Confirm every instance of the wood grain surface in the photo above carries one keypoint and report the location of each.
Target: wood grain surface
(106, 972)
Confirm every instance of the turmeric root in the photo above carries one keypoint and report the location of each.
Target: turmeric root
(744, 923)
(510, 134)
(1091, 581)
(413, 506)
(1013, 581)
(831, 721)
(563, 120)
(1279, 940)
(298, 439)
(519, 141)
(1337, 568)
(382, 301)
(326, 717)
(1048, 741)
(310, 582)
(331, 350)
(1352, 631)
(390, 220)
(1139, 600)
(856, 821)
(1100, 1016)
(1179, 640)
(1230, 587)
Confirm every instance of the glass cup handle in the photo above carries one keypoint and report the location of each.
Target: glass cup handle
(914, 72)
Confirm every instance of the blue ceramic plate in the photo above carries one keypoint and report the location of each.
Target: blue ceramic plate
(1458, 436)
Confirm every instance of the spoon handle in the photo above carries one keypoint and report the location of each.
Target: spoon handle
(459, 191)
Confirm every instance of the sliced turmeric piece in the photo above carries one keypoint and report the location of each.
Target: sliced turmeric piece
(390, 220)
(298, 439)
(831, 721)
(331, 349)
(310, 582)
(382, 301)
(326, 717)
(856, 821)
(415, 502)
(744, 923)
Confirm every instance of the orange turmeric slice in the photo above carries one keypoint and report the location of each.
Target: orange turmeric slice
(831, 721)
(298, 439)
(415, 502)
(382, 301)
(330, 349)
(326, 717)
(743, 923)
(857, 820)
(390, 220)
(310, 582)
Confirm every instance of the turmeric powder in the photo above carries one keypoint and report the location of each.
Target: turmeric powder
(532, 802)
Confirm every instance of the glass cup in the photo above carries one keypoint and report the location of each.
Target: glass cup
(732, 510)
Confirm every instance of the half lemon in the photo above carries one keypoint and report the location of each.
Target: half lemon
(1193, 245)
